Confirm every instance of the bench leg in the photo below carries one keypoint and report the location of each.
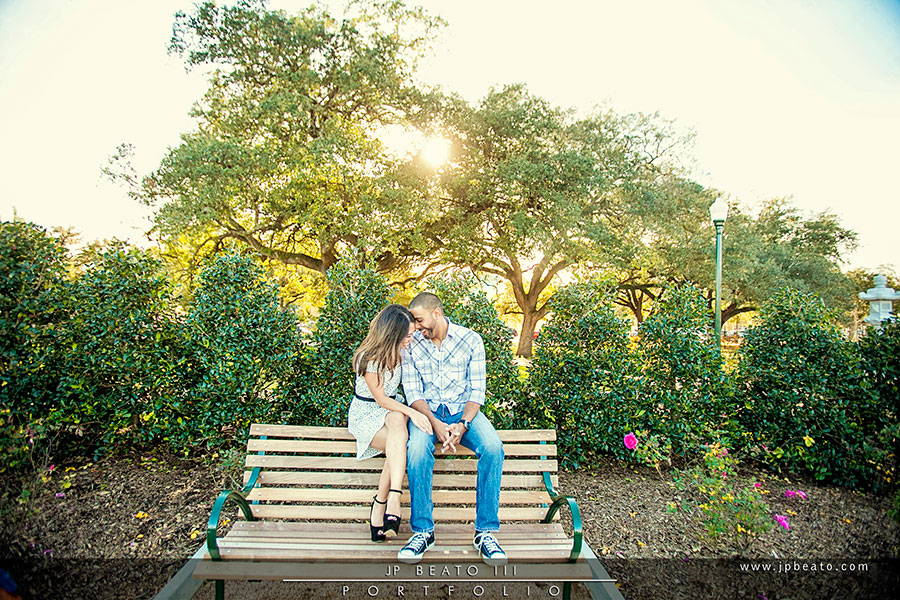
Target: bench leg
(567, 590)
(220, 589)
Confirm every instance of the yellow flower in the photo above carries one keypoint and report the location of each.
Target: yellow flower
(141, 515)
(808, 441)
(194, 534)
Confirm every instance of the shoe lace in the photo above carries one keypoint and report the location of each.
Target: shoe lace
(489, 544)
(417, 542)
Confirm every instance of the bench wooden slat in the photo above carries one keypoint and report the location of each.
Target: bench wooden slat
(340, 513)
(441, 480)
(441, 529)
(356, 496)
(375, 464)
(341, 433)
(330, 447)
(356, 547)
(361, 535)
(380, 553)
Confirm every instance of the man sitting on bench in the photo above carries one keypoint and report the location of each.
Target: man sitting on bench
(444, 377)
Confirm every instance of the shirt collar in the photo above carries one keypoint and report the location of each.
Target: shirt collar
(452, 328)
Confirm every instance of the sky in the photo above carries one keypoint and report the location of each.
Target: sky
(788, 98)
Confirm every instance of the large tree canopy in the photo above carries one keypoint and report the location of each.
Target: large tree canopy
(778, 247)
(286, 155)
(532, 191)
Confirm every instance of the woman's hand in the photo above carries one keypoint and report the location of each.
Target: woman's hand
(422, 422)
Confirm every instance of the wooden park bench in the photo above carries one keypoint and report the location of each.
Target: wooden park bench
(306, 502)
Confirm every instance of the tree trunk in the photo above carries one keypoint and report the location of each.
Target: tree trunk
(526, 335)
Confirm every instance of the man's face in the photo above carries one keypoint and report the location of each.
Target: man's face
(425, 320)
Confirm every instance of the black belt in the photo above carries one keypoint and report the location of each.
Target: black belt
(394, 397)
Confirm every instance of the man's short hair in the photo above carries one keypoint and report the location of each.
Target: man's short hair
(426, 300)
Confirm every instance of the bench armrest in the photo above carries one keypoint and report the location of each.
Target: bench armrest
(216, 516)
(558, 502)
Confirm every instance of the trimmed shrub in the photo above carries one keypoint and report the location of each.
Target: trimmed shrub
(685, 397)
(466, 304)
(242, 345)
(806, 404)
(880, 354)
(582, 377)
(32, 305)
(355, 295)
(119, 355)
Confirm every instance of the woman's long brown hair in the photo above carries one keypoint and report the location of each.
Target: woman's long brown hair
(382, 344)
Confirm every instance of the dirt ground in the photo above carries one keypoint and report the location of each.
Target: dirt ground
(122, 527)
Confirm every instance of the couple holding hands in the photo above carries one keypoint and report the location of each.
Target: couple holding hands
(442, 368)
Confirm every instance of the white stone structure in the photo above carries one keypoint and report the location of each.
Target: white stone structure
(880, 299)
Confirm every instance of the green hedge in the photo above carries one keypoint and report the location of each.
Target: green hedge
(32, 306)
(104, 358)
(807, 402)
(583, 378)
(119, 356)
(686, 397)
(242, 348)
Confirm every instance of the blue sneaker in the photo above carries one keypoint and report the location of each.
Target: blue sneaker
(415, 548)
(491, 552)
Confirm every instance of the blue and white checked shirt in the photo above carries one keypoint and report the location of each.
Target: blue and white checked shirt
(450, 375)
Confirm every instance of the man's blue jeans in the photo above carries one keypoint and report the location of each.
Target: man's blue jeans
(483, 440)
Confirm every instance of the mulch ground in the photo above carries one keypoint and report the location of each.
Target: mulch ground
(122, 527)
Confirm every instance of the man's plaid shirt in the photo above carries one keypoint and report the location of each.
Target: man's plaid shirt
(451, 375)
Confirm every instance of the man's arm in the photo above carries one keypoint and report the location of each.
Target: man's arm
(477, 373)
(413, 386)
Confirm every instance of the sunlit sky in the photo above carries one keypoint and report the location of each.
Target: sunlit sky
(795, 98)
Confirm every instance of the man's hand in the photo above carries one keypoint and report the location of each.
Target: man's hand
(454, 434)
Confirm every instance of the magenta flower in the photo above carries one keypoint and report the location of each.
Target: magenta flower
(60, 494)
(757, 484)
(630, 441)
(782, 520)
(789, 493)
(801, 494)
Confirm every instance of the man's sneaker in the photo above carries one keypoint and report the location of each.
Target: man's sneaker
(491, 552)
(412, 552)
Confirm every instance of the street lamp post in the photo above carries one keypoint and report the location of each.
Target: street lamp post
(718, 212)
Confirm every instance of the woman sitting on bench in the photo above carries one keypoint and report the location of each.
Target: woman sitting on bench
(376, 419)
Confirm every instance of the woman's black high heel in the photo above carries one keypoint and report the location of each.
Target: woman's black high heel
(377, 532)
(391, 522)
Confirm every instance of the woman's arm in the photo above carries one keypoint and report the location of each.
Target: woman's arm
(377, 390)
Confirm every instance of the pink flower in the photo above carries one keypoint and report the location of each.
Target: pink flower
(60, 494)
(789, 493)
(782, 520)
(757, 484)
(51, 468)
(630, 441)
(801, 494)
